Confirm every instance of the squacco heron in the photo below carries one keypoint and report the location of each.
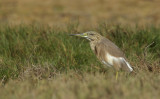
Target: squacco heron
(106, 51)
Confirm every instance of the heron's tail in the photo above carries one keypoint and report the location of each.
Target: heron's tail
(127, 66)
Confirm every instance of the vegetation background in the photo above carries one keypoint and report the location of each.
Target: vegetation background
(39, 60)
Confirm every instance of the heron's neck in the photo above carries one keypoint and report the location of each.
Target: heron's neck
(93, 44)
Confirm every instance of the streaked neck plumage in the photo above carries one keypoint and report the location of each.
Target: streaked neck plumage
(94, 42)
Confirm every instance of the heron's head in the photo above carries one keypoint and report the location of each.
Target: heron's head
(90, 35)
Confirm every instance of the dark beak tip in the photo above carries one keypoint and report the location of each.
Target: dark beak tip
(70, 34)
(73, 34)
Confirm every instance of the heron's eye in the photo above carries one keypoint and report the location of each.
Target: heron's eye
(91, 34)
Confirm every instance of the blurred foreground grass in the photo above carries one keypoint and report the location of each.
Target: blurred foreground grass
(37, 61)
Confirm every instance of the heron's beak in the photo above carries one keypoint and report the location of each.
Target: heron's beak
(80, 35)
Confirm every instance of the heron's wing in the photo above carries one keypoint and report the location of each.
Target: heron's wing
(110, 60)
(111, 48)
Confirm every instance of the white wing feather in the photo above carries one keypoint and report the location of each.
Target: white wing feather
(112, 58)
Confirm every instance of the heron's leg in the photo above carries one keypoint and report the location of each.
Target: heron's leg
(116, 75)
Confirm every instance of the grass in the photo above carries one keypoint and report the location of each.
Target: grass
(38, 61)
